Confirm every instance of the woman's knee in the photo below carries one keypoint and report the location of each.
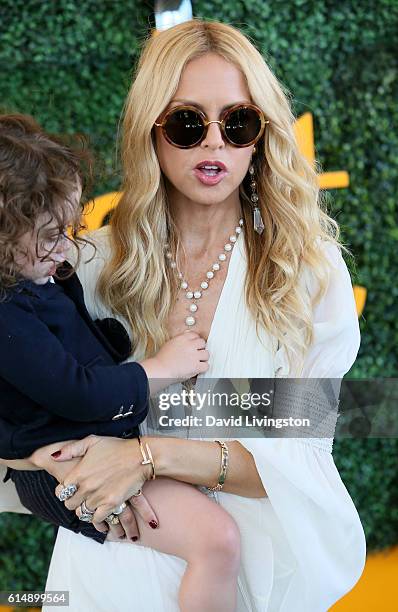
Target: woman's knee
(222, 543)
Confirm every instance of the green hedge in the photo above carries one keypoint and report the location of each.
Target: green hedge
(69, 64)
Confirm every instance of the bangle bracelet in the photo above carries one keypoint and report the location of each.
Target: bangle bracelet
(147, 457)
(223, 467)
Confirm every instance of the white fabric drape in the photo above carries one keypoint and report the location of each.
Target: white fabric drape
(303, 547)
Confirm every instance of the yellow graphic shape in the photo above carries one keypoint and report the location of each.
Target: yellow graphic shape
(98, 209)
(377, 589)
(360, 298)
(304, 131)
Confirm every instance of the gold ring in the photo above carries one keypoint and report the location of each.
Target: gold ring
(112, 519)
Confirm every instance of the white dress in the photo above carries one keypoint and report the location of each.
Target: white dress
(303, 546)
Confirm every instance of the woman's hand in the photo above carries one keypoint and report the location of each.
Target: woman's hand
(126, 528)
(110, 472)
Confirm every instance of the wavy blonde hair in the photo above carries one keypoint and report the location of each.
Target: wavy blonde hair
(136, 283)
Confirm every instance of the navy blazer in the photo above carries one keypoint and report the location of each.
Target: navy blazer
(59, 377)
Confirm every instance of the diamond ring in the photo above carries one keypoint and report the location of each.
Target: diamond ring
(86, 514)
(67, 492)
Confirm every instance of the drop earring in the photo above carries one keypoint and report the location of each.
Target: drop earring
(258, 223)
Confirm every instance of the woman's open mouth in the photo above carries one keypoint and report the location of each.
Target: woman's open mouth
(210, 173)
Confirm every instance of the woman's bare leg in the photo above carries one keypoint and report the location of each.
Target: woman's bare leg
(198, 530)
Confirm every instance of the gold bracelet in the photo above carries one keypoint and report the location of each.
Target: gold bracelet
(223, 467)
(147, 459)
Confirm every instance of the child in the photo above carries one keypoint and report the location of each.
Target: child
(59, 372)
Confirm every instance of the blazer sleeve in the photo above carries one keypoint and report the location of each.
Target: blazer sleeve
(34, 361)
(7, 451)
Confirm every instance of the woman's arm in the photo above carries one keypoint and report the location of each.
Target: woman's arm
(192, 461)
(198, 462)
(111, 469)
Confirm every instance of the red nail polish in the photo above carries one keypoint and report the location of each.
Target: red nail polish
(134, 538)
(56, 454)
(153, 524)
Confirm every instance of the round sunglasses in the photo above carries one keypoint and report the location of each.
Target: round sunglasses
(241, 125)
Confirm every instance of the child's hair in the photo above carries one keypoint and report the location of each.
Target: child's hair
(39, 172)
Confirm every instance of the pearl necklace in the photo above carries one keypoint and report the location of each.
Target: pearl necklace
(194, 296)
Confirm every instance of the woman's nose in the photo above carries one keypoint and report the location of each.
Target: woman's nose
(214, 138)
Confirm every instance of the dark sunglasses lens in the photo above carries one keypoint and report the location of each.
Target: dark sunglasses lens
(184, 127)
(243, 125)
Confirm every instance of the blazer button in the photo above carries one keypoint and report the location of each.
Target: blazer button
(129, 412)
(119, 415)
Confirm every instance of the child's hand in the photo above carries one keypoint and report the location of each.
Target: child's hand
(42, 460)
(180, 358)
(184, 356)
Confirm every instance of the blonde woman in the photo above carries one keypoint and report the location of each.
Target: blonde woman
(220, 229)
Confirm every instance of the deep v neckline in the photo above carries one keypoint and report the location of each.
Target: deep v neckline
(227, 283)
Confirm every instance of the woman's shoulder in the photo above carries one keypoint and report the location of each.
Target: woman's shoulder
(336, 265)
(94, 254)
(97, 244)
(333, 253)
(331, 250)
